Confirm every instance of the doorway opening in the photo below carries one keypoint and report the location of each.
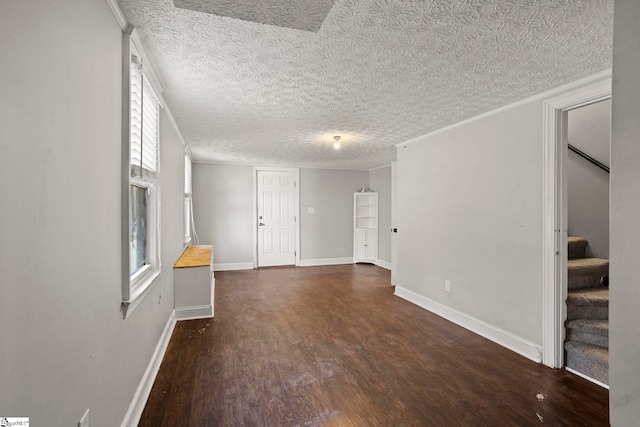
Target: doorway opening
(586, 344)
(556, 219)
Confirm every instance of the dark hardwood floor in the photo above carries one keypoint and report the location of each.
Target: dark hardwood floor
(332, 346)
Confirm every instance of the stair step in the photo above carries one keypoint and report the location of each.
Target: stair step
(588, 331)
(586, 272)
(591, 360)
(577, 247)
(590, 303)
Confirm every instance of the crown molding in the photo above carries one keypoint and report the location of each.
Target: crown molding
(539, 97)
(147, 67)
(117, 13)
(380, 167)
(135, 37)
(177, 129)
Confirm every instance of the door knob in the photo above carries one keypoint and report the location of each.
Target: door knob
(395, 230)
(261, 224)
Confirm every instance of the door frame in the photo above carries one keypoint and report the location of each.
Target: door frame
(554, 203)
(394, 222)
(296, 204)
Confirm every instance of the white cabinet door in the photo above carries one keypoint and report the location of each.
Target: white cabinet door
(366, 245)
(360, 244)
(372, 245)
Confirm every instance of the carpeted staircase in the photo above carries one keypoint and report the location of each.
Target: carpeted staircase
(587, 326)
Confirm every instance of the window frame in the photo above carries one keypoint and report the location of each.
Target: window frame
(141, 280)
(188, 201)
(135, 285)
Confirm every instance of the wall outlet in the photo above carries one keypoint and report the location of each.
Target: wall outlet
(84, 421)
(447, 285)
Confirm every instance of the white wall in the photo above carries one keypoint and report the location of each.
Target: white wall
(470, 211)
(624, 316)
(328, 232)
(469, 207)
(589, 129)
(65, 346)
(223, 210)
(380, 181)
(172, 209)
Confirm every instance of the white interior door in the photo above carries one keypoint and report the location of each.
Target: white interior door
(276, 218)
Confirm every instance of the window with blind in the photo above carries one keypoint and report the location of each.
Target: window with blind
(188, 206)
(142, 172)
(144, 125)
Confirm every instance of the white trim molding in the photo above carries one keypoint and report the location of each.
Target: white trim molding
(117, 13)
(194, 312)
(148, 68)
(136, 407)
(325, 261)
(384, 264)
(497, 335)
(380, 167)
(539, 97)
(554, 239)
(231, 266)
(588, 378)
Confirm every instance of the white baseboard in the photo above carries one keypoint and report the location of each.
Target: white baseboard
(233, 266)
(197, 312)
(383, 264)
(586, 377)
(325, 261)
(497, 335)
(132, 418)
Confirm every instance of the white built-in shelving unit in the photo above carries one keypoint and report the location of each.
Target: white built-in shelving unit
(365, 227)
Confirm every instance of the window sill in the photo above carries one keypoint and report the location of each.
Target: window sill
(138, 293)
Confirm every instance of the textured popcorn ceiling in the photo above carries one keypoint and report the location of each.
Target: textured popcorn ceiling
(377, 72)
(305, 15)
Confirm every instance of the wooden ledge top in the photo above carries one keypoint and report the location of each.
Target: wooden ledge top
(195, 256)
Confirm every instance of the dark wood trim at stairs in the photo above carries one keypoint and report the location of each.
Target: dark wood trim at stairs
(332, 346)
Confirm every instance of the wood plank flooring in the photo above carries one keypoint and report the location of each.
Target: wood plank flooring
(332, 346)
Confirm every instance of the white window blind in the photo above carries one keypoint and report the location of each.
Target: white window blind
(144, 124)
(188, 210)
(187, 176)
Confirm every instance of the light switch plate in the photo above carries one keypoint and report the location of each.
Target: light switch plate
(311, 210)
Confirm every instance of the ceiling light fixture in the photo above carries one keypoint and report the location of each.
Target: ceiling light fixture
(336, 145)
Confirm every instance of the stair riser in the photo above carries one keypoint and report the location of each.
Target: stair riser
(596, 369)
(601, 340)
(587, 312)
(577, 252)
(577, 247)
(587, 342)
(586, 280)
